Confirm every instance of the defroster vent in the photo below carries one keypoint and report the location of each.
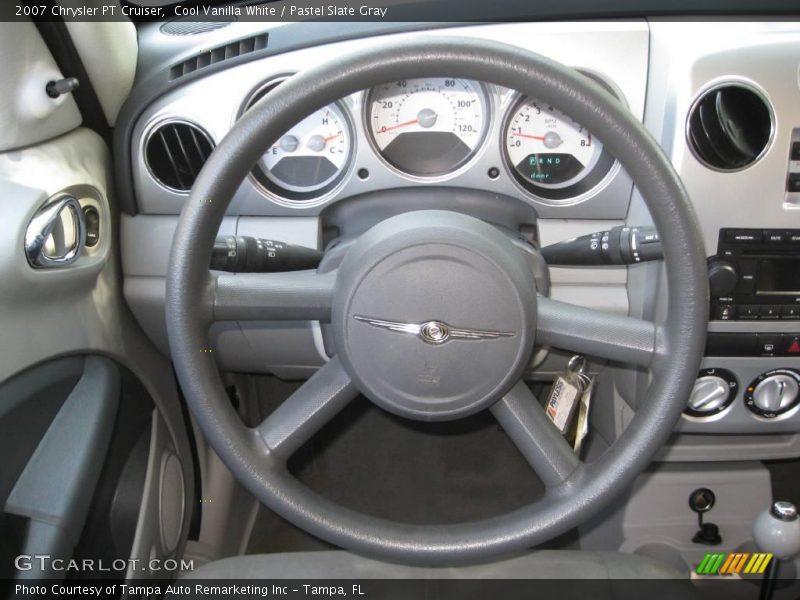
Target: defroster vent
(218, 55)
(175, 151)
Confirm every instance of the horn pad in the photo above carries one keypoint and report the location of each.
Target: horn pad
(434, 314)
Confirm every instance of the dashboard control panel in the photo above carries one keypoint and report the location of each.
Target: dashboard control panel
(713, 392)
(755, 275)
(770, 394)
(753, 344)
(773, 393)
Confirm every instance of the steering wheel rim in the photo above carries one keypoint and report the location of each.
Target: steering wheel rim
(195, 299)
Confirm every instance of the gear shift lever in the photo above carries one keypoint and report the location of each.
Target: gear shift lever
(777, 530)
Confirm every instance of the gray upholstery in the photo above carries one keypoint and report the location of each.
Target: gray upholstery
(615, 567)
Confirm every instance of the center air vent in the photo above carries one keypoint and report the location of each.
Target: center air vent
(175, 152)
(729, 127)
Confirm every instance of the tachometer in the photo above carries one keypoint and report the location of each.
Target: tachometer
(550, 154)
(427, 127)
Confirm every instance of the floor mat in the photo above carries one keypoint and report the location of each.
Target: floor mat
(422, 473)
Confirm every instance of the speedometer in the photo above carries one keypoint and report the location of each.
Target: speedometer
(550, 154)
(427, 127)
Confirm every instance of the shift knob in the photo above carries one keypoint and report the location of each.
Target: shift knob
(777, 530)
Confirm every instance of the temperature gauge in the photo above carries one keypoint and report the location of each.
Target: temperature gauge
(310, 158)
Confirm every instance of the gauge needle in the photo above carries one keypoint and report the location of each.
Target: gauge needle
(332, 137)
(533, 137)
(398, 126)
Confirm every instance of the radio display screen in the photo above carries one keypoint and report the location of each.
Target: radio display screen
(776, 276)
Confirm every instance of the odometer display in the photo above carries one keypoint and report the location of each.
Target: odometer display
(550, 154)
(427, 127)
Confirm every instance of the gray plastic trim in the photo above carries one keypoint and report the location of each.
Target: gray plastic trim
(58, 482)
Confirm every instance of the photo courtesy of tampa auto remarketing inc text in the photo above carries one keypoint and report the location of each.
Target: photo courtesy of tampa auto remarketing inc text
(400, 299)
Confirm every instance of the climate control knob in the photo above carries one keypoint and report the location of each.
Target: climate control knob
(713, 392)
(773, 393)
(722, 278)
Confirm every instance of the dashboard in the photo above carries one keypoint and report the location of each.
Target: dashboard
(722, 100)
(426, 132)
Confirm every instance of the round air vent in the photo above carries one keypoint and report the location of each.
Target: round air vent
(175, 151)
(729, 126)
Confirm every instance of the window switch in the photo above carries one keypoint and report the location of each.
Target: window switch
(794, 183)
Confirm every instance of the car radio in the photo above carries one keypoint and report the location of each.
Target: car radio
(755, 275)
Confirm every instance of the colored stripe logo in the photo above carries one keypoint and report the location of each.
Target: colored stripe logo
(723, 563)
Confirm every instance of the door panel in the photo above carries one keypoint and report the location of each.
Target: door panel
(67, 332)
(56, 487)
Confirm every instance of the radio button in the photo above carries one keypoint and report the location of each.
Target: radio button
(790, 311)
(744, 236)
(769, 344)
(747, 278)
(725, 312)
(770, 311)
(774, 236)
(748, 312)
(793, 236)
(790, 344)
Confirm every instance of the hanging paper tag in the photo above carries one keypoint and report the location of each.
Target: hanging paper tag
(582, 426)
(562, 401)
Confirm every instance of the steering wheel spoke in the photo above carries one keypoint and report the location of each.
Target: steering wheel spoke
(290, 296)
(615, 337)
(306, 411)
(535, 436)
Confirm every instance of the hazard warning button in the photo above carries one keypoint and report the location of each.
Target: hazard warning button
(790, 345)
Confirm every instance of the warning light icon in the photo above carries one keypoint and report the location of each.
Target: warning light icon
(794, 348)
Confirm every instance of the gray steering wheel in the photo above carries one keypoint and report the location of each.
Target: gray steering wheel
(435, 315)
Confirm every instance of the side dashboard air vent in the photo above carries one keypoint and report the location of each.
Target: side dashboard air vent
(729, 127)
(192, 27)
(219, 54)
(175, 151)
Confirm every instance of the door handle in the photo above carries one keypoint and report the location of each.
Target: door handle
(56, 235)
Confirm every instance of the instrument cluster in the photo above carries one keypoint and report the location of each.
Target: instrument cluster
(433, 130)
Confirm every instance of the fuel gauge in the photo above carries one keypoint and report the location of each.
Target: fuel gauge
(311, 158)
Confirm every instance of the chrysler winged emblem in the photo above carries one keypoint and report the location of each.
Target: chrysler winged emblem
(434, 332)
